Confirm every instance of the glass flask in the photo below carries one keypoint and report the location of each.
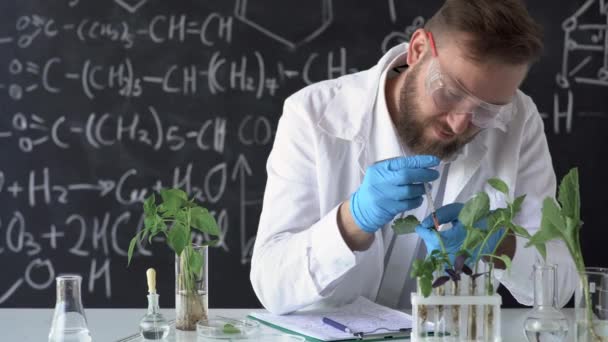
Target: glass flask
(69, 322)
(545, 322)
(153, 326)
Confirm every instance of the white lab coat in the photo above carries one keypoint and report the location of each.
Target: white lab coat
(325, 140)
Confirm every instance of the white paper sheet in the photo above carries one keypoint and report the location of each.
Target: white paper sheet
(362, 315)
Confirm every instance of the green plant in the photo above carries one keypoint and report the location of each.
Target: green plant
(423, 269)
(175, 217)
(480, 223)
(477, 210)
(562, 221)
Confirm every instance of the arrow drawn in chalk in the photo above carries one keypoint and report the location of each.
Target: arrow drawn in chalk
(242, 170)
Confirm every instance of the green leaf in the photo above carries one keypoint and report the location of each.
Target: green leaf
(542, 249)
(519, 230)
(548, 230)
(182, 216)
(475, 209)
(150, 205)
(503, 257)
(179, 236)
(150, 221)
(571, 230)
(497, 218)
(499, 185)
(539, 239)
(201, 219)
(416, 268)
(569, 196)
(435, 252)
(552, 218)
(195, 263)
(230, 329)
(132, 247)
(161, 226)
(516, 206)
(154, 225)
(405, 225)
(173, 199)
(473, 238)
(428, 267)
(162, 209)
(426, 286)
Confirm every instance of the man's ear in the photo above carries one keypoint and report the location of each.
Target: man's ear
(418, 46)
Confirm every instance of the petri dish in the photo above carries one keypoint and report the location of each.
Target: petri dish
(227, 328)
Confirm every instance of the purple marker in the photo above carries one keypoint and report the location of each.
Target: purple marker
(337, 325)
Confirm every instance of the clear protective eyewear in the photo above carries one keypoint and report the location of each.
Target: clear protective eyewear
(449, 95)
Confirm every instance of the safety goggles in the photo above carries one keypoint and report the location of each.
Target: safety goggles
(449, 95)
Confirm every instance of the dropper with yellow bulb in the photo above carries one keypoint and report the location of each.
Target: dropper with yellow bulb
(151, 277)
(153, 325)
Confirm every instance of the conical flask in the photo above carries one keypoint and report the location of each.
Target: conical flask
(69, 322)
(545, 322)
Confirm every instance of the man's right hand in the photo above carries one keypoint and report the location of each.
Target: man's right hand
(391, 187)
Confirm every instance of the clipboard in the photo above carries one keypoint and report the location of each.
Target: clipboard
(361, 315)
(369, 337)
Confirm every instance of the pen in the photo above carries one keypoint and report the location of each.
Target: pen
(429, 199)
(337, 325)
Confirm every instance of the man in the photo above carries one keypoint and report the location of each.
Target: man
(352, 154)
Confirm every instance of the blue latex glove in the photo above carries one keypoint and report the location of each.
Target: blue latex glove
(391, 187)
(453, 238)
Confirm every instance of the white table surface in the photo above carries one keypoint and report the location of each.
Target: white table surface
(108, 325)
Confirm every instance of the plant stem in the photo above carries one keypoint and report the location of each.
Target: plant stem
(577, 255)
(491, 232)
(455, 313)
(443, 250)
(504, 235)
(472, 321)
(587, 297)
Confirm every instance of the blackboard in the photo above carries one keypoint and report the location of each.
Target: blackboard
(104, 102)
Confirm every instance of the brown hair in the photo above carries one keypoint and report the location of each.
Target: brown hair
(502, 30)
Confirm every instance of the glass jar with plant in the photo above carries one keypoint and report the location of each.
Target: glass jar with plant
(562, 221)
(475, 308)
(176, 217)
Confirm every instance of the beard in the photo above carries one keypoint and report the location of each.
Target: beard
(411, 123)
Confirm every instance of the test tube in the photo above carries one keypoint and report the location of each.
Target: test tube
(429, 199)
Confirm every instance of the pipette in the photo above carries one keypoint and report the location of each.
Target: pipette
(429, 199)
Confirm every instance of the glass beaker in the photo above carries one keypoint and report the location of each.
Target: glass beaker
(591, 305)
(191, 276)
(545, 322)
(69, 322)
